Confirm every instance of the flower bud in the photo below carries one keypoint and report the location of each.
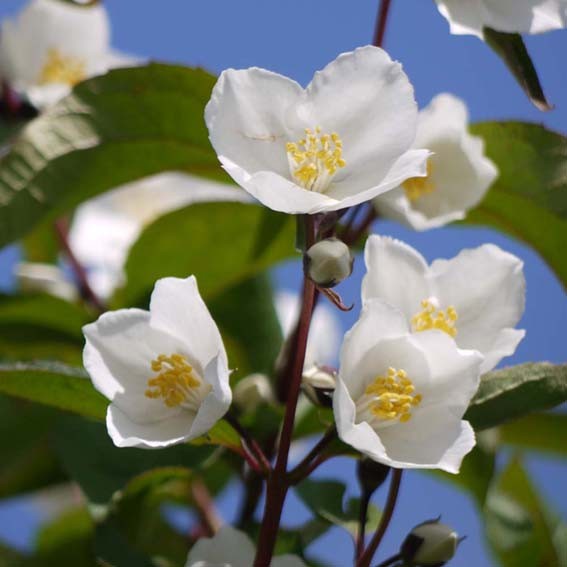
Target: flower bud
(328, 262)
(430, 544)
(253, 391)
(318, 384)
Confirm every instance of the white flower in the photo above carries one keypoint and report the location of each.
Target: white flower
(232, 548)
(324, 333)
(477, 297)
(164, 371)
(515, 16)
(36, 277)
(253, 391)
(53, 45)
(459, 174)
(105, 228)
(400, 397)
(341, 141)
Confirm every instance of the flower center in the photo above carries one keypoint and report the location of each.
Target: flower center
(433, 318)
(417, 187)
(61, 68)
(389, 398)
(314, 160)
(176, 382)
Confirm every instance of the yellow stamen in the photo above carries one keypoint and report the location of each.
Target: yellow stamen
(432, 318)
(174, 381)
(315, 159)
(416, 187)
(392, 396)
(61, 68)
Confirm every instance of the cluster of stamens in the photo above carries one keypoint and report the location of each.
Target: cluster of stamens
(63, 69)
(432, 318)
(175, 382)
(417, 187)
(389, 397)
(315, 159)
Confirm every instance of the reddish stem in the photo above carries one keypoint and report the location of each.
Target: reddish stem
(365, 559)
(278, 484)
(249, 444)
(305, 467)
(62, 231)
(205, 505)
(381, 23)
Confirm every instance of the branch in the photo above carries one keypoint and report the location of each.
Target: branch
(366, 557)
(313, 459)
(249, 444)
(205, 505)
(381, 23)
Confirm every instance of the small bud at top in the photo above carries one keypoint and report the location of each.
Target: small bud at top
(328, 262)
(430, 544)
(318, 384)
(371, 475)
(253, 391)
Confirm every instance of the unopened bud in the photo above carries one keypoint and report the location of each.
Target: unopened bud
(430, 544)
(328, 262)
(371, 475)
(253, 391)
(35, 277)
(318, 384)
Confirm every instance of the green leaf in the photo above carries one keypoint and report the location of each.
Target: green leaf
(115, 128)
(67, 540)
(325, 499)
(529, 199)
(546, 432)
(101, 469)
(40, 326)
(247, 317)
(511, 49)
(53, 384)
(222, 244)
(27, 461)
(513, 392)
(519, 526)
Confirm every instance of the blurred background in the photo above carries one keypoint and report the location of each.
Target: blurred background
(296, 38)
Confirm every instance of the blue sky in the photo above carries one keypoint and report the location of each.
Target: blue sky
(297, 37)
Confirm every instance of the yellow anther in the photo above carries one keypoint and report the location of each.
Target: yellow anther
(315, 159)
(59, 68)
(432, 318)
(174, 381)
(416, 187)
(391, 397)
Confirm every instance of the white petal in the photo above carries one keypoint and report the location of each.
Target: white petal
(217, 402)
(487, 288)
(177, 308)
(521, 16)
(433, 439)
(118, 352)
(125, 432)
(378, 321)
(76, 31)
(368, 100)
(246, 117)
(279, 193)
(228, 547)
(396, 273)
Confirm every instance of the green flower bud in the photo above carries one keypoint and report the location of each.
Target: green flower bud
(318, 384)
(328, 262)
(430, 544)
(253, 391)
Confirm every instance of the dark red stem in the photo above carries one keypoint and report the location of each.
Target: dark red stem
(381, 23)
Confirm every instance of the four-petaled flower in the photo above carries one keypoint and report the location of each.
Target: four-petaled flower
(400, 396)
(477, 298)
(458, 172)
(232, 548)
(343, 140)
(54, 45)
(165, 371)
(514, 16)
